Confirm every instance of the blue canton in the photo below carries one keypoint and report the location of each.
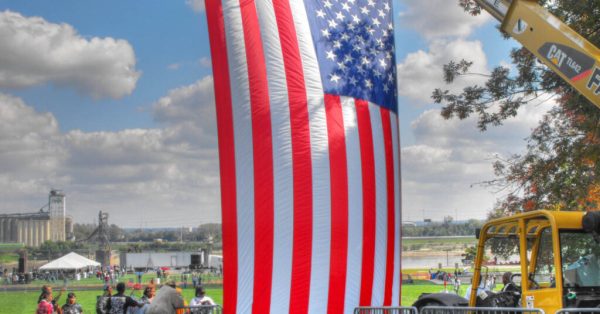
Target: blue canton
(354, 40)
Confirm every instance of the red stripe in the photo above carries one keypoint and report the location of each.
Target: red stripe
(389, 171)
(399, 235)
(339, 204)
(581, 75)
(263, 159)
(365, 134)
(301, 158)
(218, 49)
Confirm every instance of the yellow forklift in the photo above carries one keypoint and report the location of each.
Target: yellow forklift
(555, 255)
(558, 263)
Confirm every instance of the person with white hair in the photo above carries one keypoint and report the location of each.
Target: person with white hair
(166, 301)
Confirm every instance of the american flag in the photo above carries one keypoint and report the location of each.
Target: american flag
(309, 154)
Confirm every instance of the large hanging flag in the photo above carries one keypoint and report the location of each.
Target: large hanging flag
(309, 154)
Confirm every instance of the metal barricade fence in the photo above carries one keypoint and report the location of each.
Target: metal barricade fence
(386, 310)
(578, 310)
(477, 310)
(201, 309)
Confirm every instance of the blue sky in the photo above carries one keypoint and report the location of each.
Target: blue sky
(112, 102)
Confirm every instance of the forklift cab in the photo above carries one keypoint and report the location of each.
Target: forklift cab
(555, 262)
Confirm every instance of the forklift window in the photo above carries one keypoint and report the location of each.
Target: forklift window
(580, 259)
(544, 273)
(502, 251)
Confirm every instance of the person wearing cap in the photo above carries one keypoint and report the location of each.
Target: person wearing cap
(201, 299)
(166, 301)
(72, 307)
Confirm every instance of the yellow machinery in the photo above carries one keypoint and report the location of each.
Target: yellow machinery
(562, 49)
(558, 266)
(558, 252)
(555, 253)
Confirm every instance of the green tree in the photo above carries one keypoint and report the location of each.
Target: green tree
(470, 253)
(560, 168)
(83, 231)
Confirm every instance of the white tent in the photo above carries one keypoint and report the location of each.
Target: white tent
(70, 261)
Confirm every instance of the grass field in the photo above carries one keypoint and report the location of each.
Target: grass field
(93, 281)
(7, 258)
(452, 244)
(441, 240)
(25, 302)
(10, 247)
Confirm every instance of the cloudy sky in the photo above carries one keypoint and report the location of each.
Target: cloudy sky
(112, 102)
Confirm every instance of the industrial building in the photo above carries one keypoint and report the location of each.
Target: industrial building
(178, 260)
(33, 229)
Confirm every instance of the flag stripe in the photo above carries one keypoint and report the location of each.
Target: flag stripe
(222, 88)
(397, 244)
(339, 204)
(301, 152)
(380, 209)
(312, 181)
(389, 165)
(320, 238)
(263, 158)
(355, 206)
(240, 95)
(368, 190)
(319, 280)
(282, 154)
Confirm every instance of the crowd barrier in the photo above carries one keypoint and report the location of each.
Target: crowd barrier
(478, 310)
(459, 310)
(200, 309)
(578, 310)
(386, 310)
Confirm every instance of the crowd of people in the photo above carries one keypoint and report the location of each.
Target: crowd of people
(13, 277)
(168, 299)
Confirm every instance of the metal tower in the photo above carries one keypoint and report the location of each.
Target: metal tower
(57, 204)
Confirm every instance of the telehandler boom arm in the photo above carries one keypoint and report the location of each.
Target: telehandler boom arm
(558, 46)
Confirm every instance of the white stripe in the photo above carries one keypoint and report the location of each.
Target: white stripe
(319, 284)
(240, 97)
(282, 160)
(355, 213)
(380, 206)
(397, 211)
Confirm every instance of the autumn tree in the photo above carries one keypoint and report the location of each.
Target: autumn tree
(560, 168)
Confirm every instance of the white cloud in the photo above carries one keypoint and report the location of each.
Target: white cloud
(34, 51)
(31, 153)
(449, 157)
(29, 140)
(196, 5)
(147, 171)
(422, 71)
(439, 18)
(165, 176)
